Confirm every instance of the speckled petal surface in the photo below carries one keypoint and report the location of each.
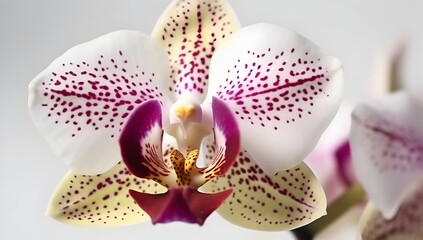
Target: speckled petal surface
(387, 149)
(141, 143)
(81, 100)
(287, 200)
(191, 30)
(406, 225)
(279, 84)
(100, 200)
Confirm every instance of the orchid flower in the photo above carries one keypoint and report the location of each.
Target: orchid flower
(386, 139)
(387, 150)
(210, 86)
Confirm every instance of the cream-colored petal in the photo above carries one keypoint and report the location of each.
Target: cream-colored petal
(100, 200)
(287, 200)
(406, 225)
(190, 31)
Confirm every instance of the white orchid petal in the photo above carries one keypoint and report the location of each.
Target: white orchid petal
(81, 101)
(283, 88)
(190, 30)
(387, 149)
(100, 200)
(284, 201)
(406, 225)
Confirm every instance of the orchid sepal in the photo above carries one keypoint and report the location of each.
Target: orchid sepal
(100, 200)
(191, 31)
(259, 201)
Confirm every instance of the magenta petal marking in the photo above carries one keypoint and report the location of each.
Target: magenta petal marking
(141, 141)
(270, 89)
(227, 136)
(179, 204)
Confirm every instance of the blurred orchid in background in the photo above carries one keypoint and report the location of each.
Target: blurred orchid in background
(387, 142)
(331, 160)
(182, 98)
(387, 150)
(406, 225)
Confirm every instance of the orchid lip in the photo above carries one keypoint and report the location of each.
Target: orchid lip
(179, 204)
(141, 141)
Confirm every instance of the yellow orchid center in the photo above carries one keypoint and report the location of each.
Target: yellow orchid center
(184, 167)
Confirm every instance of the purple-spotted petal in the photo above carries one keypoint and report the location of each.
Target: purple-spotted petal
(227, 141)
(190, 30)
(284, 201)
(81, 100)
(406, 225)
(387, 149)
(283, 89)
(100, 200)
(141, 144)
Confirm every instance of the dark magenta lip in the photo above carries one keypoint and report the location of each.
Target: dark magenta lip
(183, 204)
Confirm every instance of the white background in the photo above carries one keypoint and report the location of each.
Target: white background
(34, 32)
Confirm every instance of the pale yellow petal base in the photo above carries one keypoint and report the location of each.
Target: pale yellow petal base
(100, 200)
(288, 200)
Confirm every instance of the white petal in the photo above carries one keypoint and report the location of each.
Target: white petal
(387, 149)
(190, 30)
(81, 101)
(283, 89)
